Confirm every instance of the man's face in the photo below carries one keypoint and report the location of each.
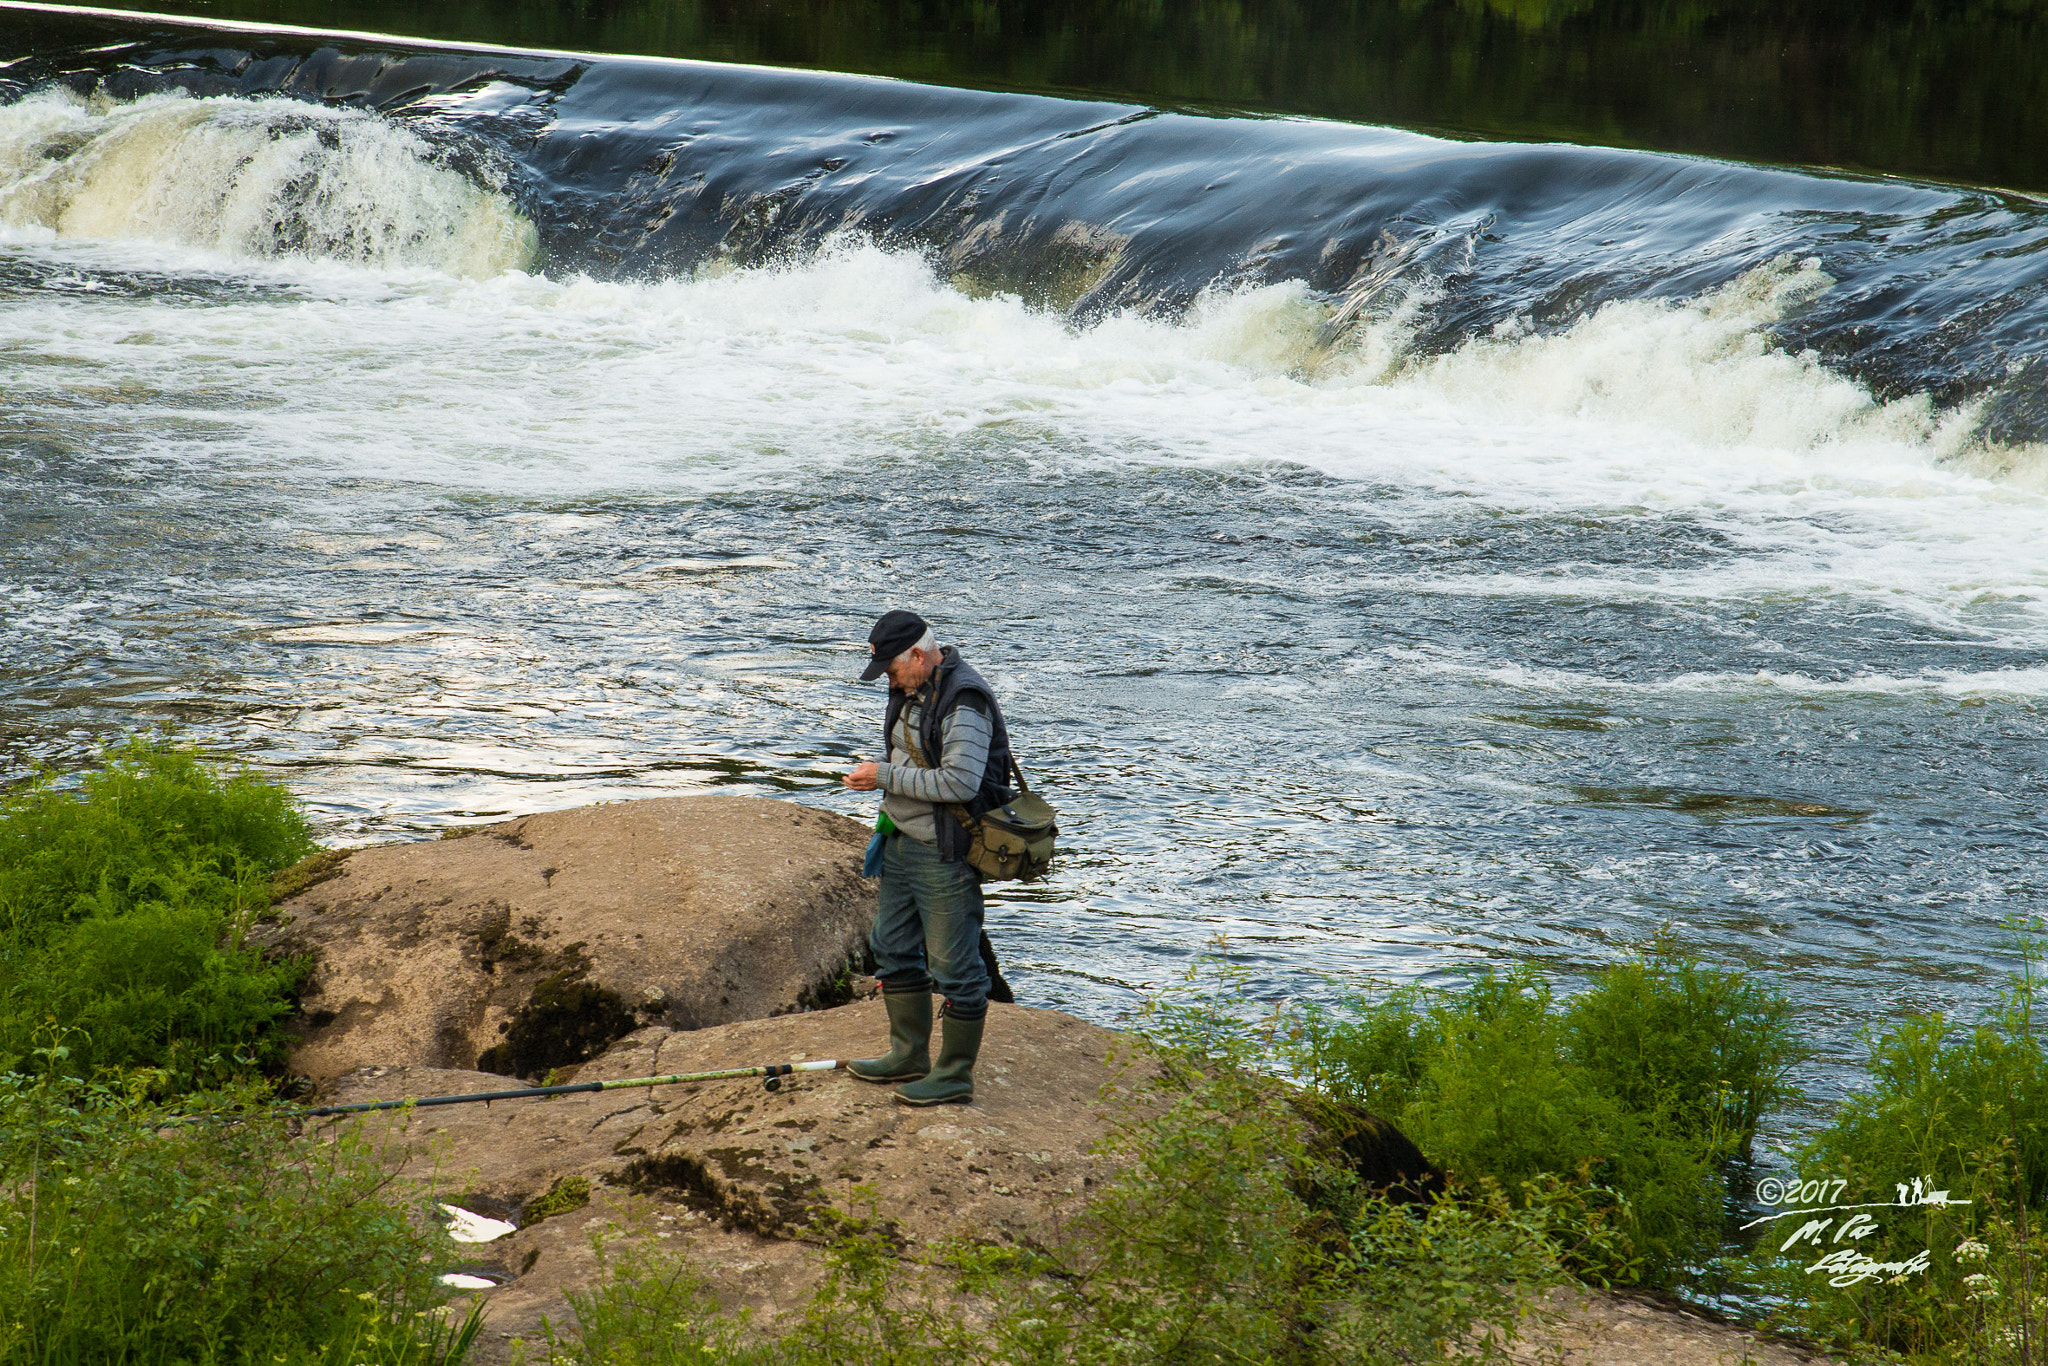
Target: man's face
(909, 670)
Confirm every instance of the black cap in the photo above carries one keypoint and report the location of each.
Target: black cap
(896, 632)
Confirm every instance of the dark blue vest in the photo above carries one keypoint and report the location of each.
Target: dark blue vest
(954, 680)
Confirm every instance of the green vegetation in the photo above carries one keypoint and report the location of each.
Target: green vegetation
(1961, 1110)
(123, 904)
(1592, 1135)
(199, 1231)
(1641, 1089)
(1601, 1135)
(1621, 1114)
(130, 1233)
(1224, 1236)
(1622, 1108)
(568, 1193)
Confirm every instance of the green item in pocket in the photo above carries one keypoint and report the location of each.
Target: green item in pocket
(883, 825)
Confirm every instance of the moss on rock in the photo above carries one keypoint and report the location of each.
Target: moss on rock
(566, 1020)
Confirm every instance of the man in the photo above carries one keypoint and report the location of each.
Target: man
(947, 751)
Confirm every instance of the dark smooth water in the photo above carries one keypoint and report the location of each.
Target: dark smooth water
(1956, 91)
(1394, 553)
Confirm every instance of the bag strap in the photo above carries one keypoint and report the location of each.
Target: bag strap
(910, 745)
(1022, 786)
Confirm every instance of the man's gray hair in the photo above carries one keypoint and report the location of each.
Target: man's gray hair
(928, 645)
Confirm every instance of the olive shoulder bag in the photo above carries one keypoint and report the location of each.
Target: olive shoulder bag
(1014, 841)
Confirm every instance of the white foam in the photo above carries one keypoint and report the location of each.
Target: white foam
(1705, 370)
(2020, 681)
(861, 357)
(249, 177)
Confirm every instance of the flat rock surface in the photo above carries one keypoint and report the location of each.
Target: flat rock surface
(729, 1173)
(736, 1171)
(1605, 1329)
(691, 934)
(547, 936)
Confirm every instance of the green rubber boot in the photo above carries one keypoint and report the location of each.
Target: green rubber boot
(952, 1081)
(910, 1040)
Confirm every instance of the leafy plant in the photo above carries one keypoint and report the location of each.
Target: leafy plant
(130, 1233)
(1224, 1235)
(124, 901)
(1962, 1110)
(1708, 1049)
(1637, 1092)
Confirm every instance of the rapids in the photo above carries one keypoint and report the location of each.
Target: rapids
(1394, 554)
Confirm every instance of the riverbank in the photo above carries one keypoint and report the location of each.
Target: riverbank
(734, 1183)
(736, 1177)
(1102, 1188)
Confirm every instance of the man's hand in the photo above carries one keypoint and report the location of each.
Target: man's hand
(862, 779)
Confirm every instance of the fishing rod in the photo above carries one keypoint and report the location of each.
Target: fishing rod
(774, 1072)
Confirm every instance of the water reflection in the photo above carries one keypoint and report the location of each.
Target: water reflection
(1955, 91)
(1339, 779)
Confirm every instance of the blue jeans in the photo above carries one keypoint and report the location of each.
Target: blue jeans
(928, 928)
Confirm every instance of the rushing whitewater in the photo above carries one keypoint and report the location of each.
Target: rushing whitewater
(261, 177)
(1456, 562)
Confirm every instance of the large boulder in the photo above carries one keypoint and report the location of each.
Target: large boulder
(735, 1173)
(533, 944)
(689, 934)
(728, 1174)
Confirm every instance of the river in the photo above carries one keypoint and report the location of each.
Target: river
(1395, 554)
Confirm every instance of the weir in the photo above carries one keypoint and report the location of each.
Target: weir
(636, 168)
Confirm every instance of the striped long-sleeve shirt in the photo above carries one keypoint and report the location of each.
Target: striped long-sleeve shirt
(911, 789)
